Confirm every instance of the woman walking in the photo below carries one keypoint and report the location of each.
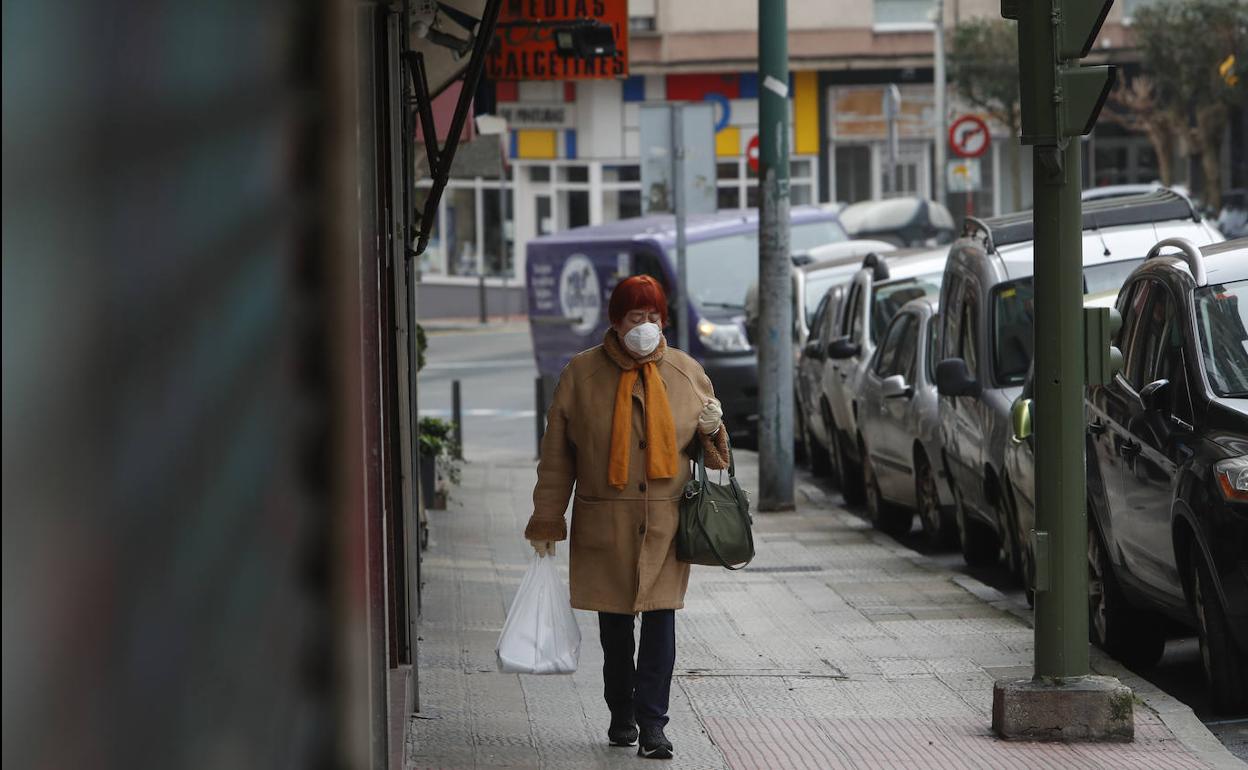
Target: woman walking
(621, 429)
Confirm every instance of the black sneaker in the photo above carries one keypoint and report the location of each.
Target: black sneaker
(622, 732)
(654, 744)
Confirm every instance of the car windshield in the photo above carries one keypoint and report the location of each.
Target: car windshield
(1222, 319)
(722, 270)
(1014, 308)
(818, 284)
(887, 299)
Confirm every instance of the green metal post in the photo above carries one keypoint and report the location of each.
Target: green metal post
(1059, 102)
(1062, 610)
(775, 287)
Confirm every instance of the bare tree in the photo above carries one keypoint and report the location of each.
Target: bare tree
(1184, 44)
(1133, 105)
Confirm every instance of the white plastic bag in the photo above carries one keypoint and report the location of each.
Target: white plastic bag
(540, 635)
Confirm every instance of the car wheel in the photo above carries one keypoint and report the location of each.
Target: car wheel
(979, 543)
(850, 480)
(940, 532)
(1133, 637)
(1226, 667)
(888, 518)
(834, 457)
(816, 455)
(1011, 538)
(801, 438)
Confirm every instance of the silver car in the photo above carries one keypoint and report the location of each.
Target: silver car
(899, 422)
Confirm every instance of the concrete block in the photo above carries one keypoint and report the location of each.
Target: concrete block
(1090, 708)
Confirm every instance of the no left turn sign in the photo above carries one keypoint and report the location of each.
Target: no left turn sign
(968, 137)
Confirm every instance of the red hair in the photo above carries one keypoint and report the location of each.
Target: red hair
(637, 293)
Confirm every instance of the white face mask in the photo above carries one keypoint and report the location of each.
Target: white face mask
(641, 340)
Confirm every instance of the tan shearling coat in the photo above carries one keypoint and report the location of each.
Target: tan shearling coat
(623, 556)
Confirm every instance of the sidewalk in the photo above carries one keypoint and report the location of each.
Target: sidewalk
(836, 648)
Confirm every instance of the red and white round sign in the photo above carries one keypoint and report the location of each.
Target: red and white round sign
(751, 154)
(968, 136)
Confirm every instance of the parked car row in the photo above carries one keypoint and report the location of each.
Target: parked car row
(914, 395)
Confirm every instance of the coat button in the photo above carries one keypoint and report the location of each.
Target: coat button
(642, 486)
(641, 530)
(642, 445)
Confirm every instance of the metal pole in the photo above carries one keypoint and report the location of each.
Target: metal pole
(892, 109)
(939, 131)
(503, 256)
(1061, 515)
(775, 285)
(539, 403)
(457, 416)
(481, 290)
(678, 199)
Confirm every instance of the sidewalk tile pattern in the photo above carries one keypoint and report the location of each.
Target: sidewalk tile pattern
(836, 648)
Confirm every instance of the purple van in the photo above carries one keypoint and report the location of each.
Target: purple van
(571, 275)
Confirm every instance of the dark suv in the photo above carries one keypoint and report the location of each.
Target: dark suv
(1168, 465)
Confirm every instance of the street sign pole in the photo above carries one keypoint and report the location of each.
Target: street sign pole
(1060, 101)
(892, 109)
(938, 101)
(679, 203)
(775, 286)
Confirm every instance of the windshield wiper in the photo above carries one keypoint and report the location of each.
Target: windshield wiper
(729, 305)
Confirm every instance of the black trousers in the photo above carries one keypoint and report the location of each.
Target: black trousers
(642, 690)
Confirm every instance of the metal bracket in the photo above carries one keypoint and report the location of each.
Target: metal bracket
(1040, 547)
(440, 159)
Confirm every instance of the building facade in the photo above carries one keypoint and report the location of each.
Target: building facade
(572, 148)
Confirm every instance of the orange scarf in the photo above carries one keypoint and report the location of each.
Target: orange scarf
(661, 460)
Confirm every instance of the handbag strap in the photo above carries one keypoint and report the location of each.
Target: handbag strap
(710, 542)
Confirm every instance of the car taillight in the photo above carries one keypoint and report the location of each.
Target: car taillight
(1232, 478)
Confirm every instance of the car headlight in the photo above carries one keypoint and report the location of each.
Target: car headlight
(1232, 478)
(723, 338)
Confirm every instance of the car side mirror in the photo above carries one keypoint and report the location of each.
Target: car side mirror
(895, 386)
(1020, 420)
(954, 379)
(1156, 396)
(843, 347)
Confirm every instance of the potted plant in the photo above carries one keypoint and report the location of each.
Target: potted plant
(440, 456)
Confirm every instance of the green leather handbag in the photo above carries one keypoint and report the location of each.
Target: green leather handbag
(714, 527)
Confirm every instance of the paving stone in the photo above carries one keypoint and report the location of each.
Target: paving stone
(836, 649)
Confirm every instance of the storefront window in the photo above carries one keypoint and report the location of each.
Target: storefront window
(497, 227)
(461, 230)
(621, 174)
(574, 208)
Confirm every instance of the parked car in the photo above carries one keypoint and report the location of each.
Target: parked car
(904, 221)
(986, 346)
(1168, 466)
(570, 276)
(823, 267)
(869, 303)
(814, 270)
(900, 429)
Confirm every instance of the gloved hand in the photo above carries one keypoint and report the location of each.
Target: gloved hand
(711, 417)
(543, 547)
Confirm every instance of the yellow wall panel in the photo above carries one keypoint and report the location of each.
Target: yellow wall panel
(805, 113)
(728, 142)
(534, 145)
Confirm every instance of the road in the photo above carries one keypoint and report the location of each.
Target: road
(495, 368)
